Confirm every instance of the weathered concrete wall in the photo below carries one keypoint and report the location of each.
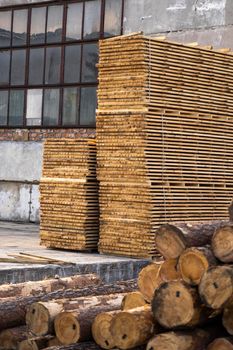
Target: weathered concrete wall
(20, 173)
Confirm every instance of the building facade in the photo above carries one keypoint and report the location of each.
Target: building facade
(48, 73)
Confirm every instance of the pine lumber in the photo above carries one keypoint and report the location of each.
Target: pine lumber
(47, 286)
(216, 286)
(133, 300)
(132, 328)
(76, 325)
(222, 243)
(193, 262)
(13, 311)
(10, 338)
(221, 344)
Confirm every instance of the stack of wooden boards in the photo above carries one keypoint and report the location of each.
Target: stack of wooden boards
(69, 195)
(182, 303)
(164, 138)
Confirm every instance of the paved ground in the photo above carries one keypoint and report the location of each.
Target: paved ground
(15, 238)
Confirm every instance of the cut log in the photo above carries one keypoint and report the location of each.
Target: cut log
(176, 304)
(192, 340)
(34, 343)
(222, 244)
(53, 342)
(84, 346)
(168, 270)
(227, 319)
(72, 327)
(132, 328)
(101, 330)
(48, 286)
(216, 286)
(148, 280)
(172, 239)
(221, 344)
(193, 263)
(13, 311)
(10, 338)
(133, 300)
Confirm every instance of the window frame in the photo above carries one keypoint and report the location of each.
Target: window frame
(62, 44)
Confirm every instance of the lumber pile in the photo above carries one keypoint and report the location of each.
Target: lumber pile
(164, 139)
(69, 195)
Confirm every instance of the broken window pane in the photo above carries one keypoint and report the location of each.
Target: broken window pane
(72, 63)
(70, 106)
(4, 67)
(34, 106)
(54, 25)
(38, 20)
(18, 67)
(36, 66)
(74, 21)
(5, 28)
(51, 107)
(112, 19)
(88, 106)
(20, 22)
(16, 107)
(3, 107)
(90, 59)
(92, 19)
(53, 64)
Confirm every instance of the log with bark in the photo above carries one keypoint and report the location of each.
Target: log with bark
(221, 344)
(84, 346)
(173, 239)
(53, 342)
(48, 286)
(216, 286)
(38, 343)
(75, 326)
(10, 338)
(101, 330)
(133, 300)
(13, 311)
(193, 262)
(222, 243)
(227, 319)
(176, 304)
(133, 327)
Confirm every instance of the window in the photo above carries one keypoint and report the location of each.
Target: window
(48, 57)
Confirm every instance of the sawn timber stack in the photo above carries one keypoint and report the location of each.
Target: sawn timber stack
(164, 139)
(69, 195)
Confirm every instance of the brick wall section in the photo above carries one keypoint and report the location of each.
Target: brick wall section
(41, 134)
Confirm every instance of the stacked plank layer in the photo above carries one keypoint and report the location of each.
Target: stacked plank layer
(164, 139)
(69, 195)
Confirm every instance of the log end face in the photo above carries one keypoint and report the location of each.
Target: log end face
(220, 344)
(124, 330)
(227, 319)
(149, 280)
(132, 300)
(28, 345)
(101, 331)
(170, 241)
(38, 319)
(67, 328)
(222, 243)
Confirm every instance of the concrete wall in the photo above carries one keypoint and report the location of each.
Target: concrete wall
(20, 172)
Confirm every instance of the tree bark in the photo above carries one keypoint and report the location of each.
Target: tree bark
(10, 338)
(221, 344)
(34, 343)
(176, 304)
(48, 286)
(173, 239)
(193, 263)
(132, 328)
(149, 280)
(75, 326)
(222, 244)
(13, 311)
(132, 300)
(101, 329)
(227, 319)
(216, 286)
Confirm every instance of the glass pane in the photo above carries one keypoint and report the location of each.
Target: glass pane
(54, 25)
(5, 28)
(20, 22)
(3, 107)
(16, 107)
(72, 64)
(112, 19)
(51, 106)
(18, 67)
(53, 63)
(90, 59)
(92, 19)
(34, 107)
(74, 21)
(4, 67)
(88, 106)
(36, 66)
(70, 106)
(38, 20)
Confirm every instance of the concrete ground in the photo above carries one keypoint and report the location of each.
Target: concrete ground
(18, 237)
